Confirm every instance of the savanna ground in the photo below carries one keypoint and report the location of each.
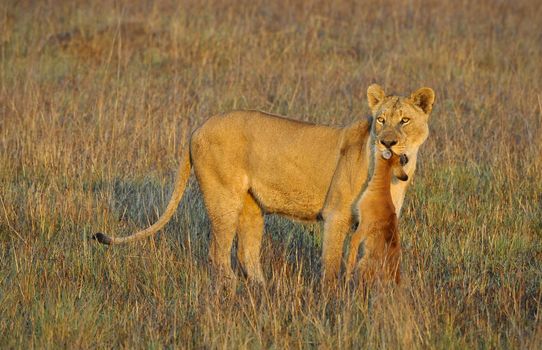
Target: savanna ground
(92, 103)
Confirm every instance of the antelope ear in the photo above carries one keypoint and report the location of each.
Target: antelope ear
(375, 96)
(424, 98)
(399, 173)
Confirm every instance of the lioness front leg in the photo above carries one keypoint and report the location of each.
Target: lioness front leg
(355, 243)
(335, 230)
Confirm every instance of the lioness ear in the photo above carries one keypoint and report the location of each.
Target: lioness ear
(424, 99)
(375, 96)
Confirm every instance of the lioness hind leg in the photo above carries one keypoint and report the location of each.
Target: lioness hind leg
(223, 208)
(250, 232)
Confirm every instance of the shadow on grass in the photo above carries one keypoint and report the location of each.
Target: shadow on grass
(288, 247)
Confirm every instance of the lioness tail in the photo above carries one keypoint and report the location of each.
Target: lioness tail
(180, 185)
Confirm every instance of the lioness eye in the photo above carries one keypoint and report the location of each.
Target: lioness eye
(380, 120)
(405, 120)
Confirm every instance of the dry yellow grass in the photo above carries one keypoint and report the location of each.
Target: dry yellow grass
(89, 139)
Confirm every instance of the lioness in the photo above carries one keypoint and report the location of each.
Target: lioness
(249, 163)
(378, 227)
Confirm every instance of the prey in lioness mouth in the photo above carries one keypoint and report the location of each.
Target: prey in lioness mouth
(378, 228)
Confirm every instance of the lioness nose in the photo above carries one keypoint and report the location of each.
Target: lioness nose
(388, 143)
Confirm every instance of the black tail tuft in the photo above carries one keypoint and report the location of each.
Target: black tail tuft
(102, 238)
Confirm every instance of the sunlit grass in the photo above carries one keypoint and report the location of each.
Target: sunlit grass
(89, 141)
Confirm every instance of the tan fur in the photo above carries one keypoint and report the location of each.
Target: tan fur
(249, 163)
(378, 228)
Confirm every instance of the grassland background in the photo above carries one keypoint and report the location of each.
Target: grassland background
(92, 99)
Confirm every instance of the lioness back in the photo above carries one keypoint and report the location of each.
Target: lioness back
(286, 165)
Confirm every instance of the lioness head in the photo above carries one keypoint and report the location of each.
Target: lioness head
(400, 123)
